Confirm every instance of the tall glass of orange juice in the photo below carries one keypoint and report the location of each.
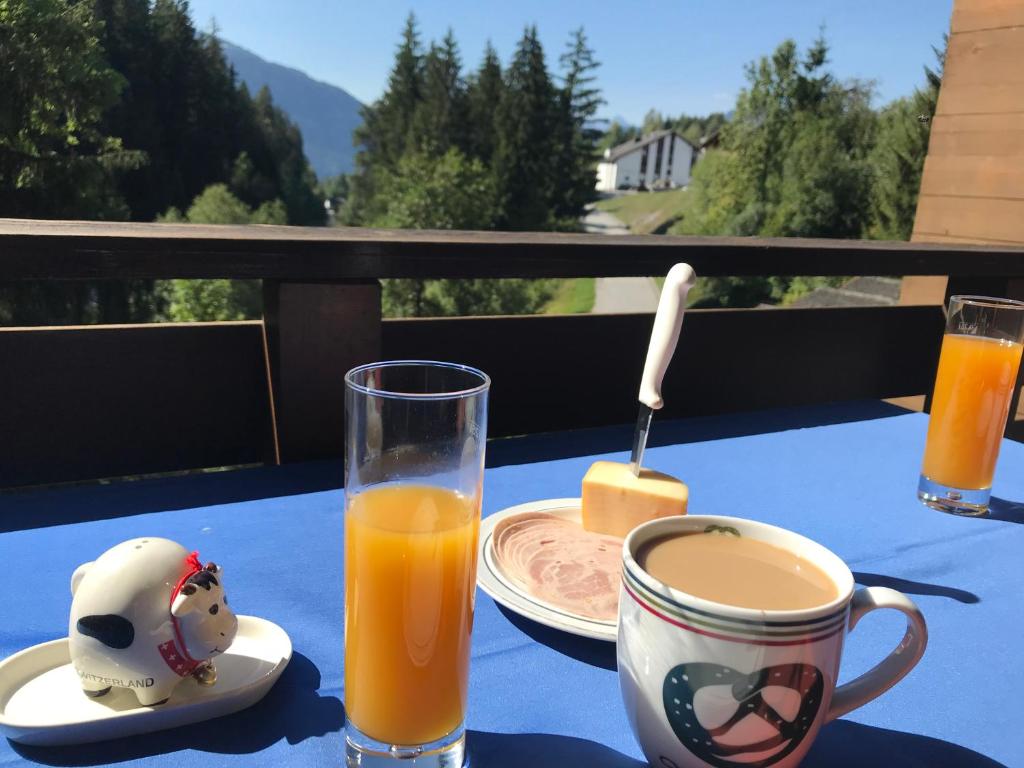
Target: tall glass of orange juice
(981, 353)
(415, 435)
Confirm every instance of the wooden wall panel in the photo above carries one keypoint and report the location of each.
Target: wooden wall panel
(982, 99)
(728, 360)
(995, 144)
(969, 176)
(984, 57)
(977, 15)
(995, 122)
(105, 401)
(972, 188)
(971, 217)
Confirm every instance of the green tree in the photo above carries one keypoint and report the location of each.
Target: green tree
(795, 163)
(616, 134)
(654, 121)
(448, 192)
(279, 142)
(526, 123)
(384, 133)
(439, 120)
(898, 156)
(429, 192)
(694, 128)
(484, 92)
(577, 135)
(206, 300)
(216, 205)
(270, 212)
(183, 108)
(536, 140)
(56, 158)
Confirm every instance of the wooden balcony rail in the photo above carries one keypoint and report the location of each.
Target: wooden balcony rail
(103, 401)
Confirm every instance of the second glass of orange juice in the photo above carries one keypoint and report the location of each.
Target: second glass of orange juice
(981, 353)
(415, 436)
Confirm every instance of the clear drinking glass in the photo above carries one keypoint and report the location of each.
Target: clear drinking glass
(414, 458)
(981, 352)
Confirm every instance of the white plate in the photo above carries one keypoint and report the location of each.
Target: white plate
(41, 701)
(497, 585)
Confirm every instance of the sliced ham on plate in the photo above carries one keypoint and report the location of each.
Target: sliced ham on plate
(555, 560)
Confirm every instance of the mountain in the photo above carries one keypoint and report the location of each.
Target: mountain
(325, 114)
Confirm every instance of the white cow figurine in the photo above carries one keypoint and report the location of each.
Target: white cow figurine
(145, 615)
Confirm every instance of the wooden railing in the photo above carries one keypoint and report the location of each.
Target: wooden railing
(100, 401)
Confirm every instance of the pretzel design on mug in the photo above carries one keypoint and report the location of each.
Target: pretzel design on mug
(685, 681)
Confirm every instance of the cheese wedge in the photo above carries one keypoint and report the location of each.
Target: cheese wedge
(615, 500)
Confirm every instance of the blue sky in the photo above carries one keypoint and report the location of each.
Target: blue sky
(673, 55)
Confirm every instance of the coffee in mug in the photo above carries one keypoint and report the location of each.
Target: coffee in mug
(724, 567)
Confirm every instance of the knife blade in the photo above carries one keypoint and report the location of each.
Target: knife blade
(643, 426)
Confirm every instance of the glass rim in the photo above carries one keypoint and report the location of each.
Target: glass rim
(990, 302)
(485, 380)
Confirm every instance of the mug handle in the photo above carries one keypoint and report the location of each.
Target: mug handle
(893, 667)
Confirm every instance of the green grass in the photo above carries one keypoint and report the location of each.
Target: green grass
(571, 297)
(647, 212)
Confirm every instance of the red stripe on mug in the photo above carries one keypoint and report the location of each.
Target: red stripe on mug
(674, 622)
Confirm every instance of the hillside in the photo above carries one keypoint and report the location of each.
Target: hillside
(647, 213)
(325, 114)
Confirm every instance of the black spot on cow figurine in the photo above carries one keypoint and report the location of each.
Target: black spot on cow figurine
(145, 615)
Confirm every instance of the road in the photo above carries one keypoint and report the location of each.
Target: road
(615, 295)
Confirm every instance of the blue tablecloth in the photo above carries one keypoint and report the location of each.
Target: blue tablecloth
(844, 475)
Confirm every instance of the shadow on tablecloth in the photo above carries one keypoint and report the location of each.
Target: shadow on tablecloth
(598, 440)
(541, 750)
(1006, 511)
(59, 505)
(842, 744)
(914, 587)
(845, 744)
(597, 653)
(293, 711)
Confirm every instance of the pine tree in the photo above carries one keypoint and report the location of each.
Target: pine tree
(526, 123)
(385, 130)
(383, 135)
(654, 121)
(281, 143)
(485, 90)
(616, 134)
(578, 103)
(439, 121)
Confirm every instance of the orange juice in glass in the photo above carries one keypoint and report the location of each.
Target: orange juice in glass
(415, 437)
(981, 354)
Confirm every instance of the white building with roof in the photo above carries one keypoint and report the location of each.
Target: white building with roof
(655, 160)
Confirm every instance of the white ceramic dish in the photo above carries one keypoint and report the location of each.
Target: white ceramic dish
(41, 701)
(504, 591)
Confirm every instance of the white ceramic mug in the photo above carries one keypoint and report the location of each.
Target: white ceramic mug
(707, 684)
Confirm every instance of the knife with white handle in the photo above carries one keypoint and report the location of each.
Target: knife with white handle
(665, 335)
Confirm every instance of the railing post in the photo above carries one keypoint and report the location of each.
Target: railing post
(315, 333)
